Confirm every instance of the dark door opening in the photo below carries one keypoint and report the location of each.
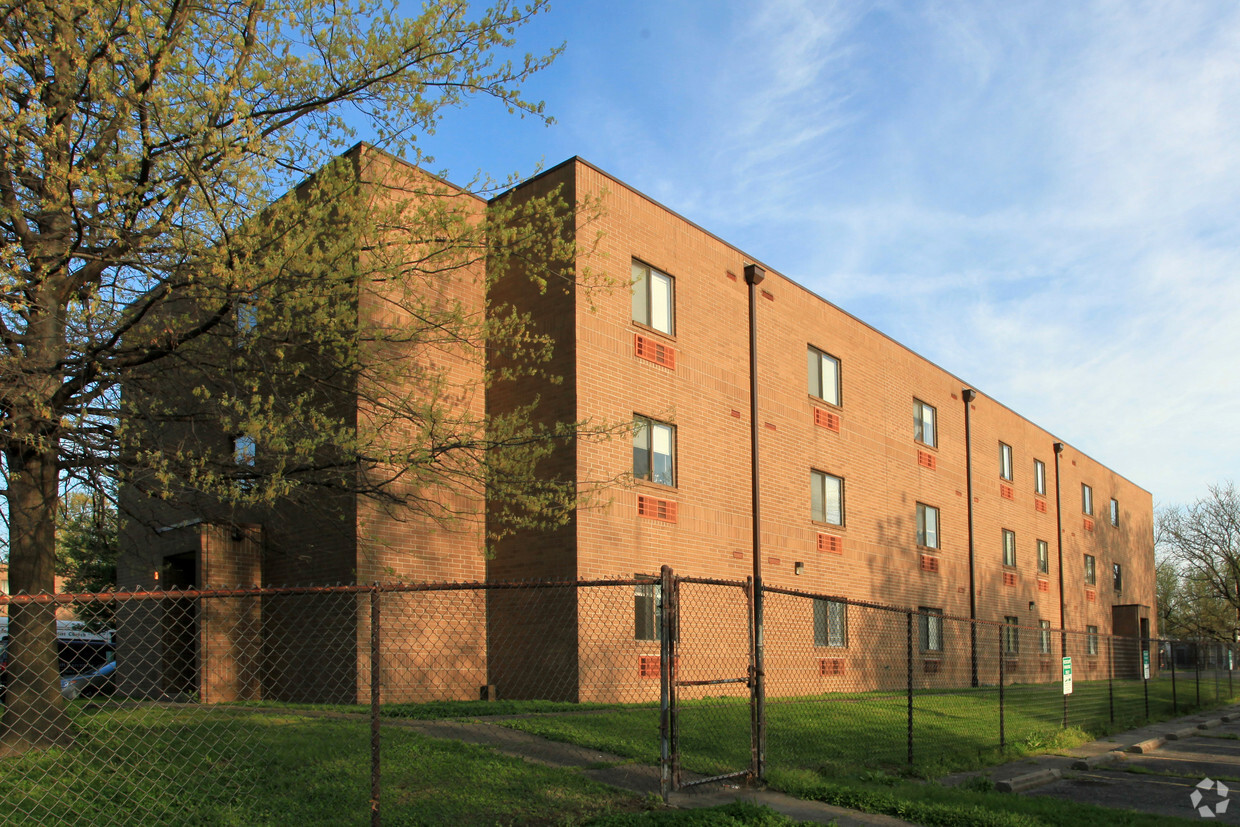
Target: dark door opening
(180, 626)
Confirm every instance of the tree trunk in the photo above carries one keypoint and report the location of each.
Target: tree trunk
(34, 712)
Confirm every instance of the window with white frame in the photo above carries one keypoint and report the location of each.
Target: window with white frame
(1044, 637)
(1009, 547)
(927, 526)
(654, 299)
(923, 423)
(1005, 461)
(1114, 512)
(1011, 635)
(1039, 477)
(654, 451)
(1087, 499)
(647, 607)
(1044, 557)
(1091, 570)
(824, 376)
(1091, 639)
(826, 498)
(830, 623)
(930, 626)
(1117, 572)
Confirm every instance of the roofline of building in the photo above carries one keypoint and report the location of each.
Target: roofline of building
(577, 159)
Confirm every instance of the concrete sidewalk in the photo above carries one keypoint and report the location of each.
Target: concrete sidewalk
(1154, 769)
(621, 772)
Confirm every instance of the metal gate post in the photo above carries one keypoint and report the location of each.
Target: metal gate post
(908, 636)
(375, 686)
(1175, 701)
(1111, 676)
(1002, 734)
(667, 690)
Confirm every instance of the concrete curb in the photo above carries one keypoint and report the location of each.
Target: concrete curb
(1148, 745)
(1186, 732)
(1020, 783)
(1210, 724)
(1094, 761)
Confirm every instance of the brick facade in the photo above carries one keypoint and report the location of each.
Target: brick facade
(696, 378)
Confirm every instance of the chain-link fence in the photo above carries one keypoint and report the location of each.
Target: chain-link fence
(212, 706)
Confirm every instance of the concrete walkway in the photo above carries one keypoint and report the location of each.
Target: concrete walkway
(1155, 769)
(617, 771)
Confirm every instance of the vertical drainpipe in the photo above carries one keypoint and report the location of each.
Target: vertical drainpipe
(968, 395)
(753, 277)
(1059, 541)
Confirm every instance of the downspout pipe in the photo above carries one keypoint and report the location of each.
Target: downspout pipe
(1059, 446)
(753, 277)
(968, 395)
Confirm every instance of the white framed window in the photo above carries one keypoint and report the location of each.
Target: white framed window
(654, 451)
(1044, 557)
(930, 627)
(824, 376)
(1091, 570)
(1087, 499)
(654, 299)
(647, 608)
(1011, 635)
(1009, 547)
(1117, 572)
(924, 429)
(830, 623)
(1039, 477)
(927, 526)
(1005, 461)
(1044, 637)
(1091, 639)
(826, 498)
(1114, 512)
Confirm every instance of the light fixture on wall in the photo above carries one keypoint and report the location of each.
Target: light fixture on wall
(798, 568)
(1032, 605)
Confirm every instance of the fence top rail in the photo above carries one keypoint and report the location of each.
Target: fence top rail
(120, 596)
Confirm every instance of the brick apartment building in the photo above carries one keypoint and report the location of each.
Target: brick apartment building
(869, 454)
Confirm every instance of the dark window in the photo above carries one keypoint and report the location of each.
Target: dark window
(1009, 548)
(1118, 571)
(1114, 511)
(1091, 571)
(647, 606)
(1039, 477)
(1087, 499)
(930, 624)
(1044, 637)
(1044, 557)
(654, 451)
(1092, 639)
(830, 623)
(1005, 461)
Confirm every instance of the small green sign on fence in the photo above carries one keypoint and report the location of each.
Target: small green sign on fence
(1067, 676)
(1145, 663)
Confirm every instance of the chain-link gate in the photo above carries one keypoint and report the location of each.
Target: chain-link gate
(708, 715)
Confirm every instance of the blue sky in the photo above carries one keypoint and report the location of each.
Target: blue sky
(1042, 198)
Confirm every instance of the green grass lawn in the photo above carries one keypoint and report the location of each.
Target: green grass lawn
(836, 734)
(236, 767)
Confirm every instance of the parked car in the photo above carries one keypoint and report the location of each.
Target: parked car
(99, 681)
(81, 655)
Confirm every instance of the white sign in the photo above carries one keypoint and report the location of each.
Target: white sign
(1067, 676)
(1145, 662)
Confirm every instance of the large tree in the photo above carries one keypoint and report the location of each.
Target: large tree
(143, 149)
(1200, 545)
